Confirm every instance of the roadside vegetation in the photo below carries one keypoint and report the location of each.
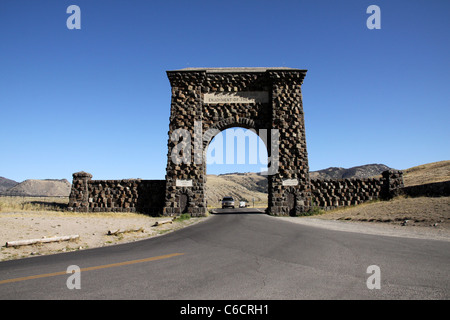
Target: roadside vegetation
(20, 204)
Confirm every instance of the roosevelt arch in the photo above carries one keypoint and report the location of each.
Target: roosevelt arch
(252, 98)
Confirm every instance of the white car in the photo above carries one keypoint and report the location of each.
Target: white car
(242, 204)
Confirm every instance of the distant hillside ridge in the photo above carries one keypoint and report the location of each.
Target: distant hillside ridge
(40, 188)
(364, 171)
(246, 186)
(5, 184)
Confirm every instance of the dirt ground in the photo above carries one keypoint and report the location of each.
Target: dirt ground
(401, 211)
(91, 228)
(422, 217)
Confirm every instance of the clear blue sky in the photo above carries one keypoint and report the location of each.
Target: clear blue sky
(98, 99)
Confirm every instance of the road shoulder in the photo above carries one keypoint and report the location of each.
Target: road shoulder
(373, 228)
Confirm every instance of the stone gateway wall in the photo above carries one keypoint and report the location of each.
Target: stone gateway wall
(207, 101)
(436, 189)
(128, 195)
(147, 196)
(328, 194)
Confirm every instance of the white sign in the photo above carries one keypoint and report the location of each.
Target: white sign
(184, 183)
(290, 182)
(237, 97)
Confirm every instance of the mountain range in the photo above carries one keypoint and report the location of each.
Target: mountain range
(365, 171)
(5, 184)
(35, 188)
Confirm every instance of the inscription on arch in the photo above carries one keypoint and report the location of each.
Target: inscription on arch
(236, 97)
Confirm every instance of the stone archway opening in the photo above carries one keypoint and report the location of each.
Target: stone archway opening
(236, 166)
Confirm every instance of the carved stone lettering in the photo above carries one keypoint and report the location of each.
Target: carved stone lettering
(236, 97)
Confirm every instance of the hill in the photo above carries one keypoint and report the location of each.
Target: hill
(241, 186)
(365, 171)
(41, 188)
(5, 184)
(427, 173)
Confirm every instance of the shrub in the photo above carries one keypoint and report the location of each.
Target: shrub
(184, 216)
(314, 210)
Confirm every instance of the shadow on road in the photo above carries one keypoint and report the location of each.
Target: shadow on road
(238, 211)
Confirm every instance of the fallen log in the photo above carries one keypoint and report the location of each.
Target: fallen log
(158, 223)
(119, 231)
(43, 240)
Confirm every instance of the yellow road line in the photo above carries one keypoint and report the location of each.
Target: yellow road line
(92, 268)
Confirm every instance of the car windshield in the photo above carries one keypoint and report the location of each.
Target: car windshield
(227, 199)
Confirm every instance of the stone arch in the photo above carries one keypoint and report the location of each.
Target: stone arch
(228, 123)
(235, 121)
(208, 101)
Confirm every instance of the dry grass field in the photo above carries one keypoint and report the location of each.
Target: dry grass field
(26, 204)
(427, 173)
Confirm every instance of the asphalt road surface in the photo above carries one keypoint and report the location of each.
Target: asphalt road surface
(239, 254)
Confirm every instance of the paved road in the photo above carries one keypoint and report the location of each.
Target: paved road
(239, 256)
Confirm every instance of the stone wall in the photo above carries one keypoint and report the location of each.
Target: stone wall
(436, 189)
(128, 195)
(328, 194)
(147, 196)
